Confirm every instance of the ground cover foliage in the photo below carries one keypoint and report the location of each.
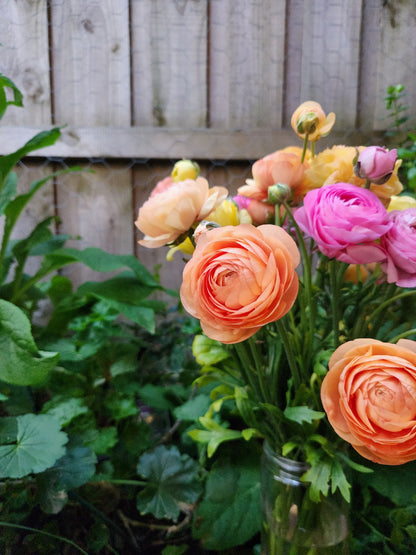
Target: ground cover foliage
(108, 441)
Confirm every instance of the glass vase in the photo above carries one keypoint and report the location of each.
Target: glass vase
(292, 523)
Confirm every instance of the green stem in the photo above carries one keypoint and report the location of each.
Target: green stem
(122, 482)
(291, 359)
(305, 147)
(388, 302)
(334, 303)
(403, 335)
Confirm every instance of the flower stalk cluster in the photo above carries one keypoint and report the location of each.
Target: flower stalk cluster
(303, 286)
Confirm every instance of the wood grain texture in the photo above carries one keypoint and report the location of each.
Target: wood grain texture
(169, 62)
(97, 208)
(24, 58)
(91, 62)
(330, 57)
(246, 72)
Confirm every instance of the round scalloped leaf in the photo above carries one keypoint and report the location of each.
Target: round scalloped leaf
(30, 444)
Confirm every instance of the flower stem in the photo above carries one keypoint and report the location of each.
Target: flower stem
(305, 147)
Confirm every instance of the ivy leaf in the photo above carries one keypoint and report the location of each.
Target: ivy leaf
(21, 363)
(35, 444)
(71, 471)
(230, 513)
(172, 481)
(303, 414)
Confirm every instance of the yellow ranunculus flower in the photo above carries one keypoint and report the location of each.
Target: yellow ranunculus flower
(186, 247)
(401, 202)
(226, 213)
(185, 169)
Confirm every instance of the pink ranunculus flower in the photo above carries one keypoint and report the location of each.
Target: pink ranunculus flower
(345, 221)
(376, 164)
(400, 246)
(173, 208)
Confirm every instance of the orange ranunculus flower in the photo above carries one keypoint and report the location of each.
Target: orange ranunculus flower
(282, 166)
(369, 395)
(309, 118)
(173, 208)
(239, 279)
(335, 165)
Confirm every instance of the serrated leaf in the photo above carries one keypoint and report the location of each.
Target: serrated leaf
(303, 414)
(339, 481)
(230, 513)
(213, 435)
(318, 477)
(38, 443)
(21, 363)
(172, 480)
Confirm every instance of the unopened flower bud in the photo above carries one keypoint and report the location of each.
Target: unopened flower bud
(185, 169)
(307, 123)
(278, 193)
(375, 164)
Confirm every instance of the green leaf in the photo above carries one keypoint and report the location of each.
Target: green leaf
(303, 414)
(101, 441)
(394, 482)
(194, 408)
(36, 445)
(318, 476)
(122, 289)
(21, 363)
(173, 481)
(140, 315)
(207, 351)
(102, 261)
(6, 83)
(41, 140)
(66, 410)
(339, 481)
(213, 435)
(8, 191)
(71, 471)
(230, 513)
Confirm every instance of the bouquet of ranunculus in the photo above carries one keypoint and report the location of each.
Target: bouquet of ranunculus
(309, 267)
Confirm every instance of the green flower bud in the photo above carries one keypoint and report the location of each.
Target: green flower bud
(278, 193)
(307, 123)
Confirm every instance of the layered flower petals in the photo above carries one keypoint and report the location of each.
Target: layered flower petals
(400, 246)
(345, 221)
(173, 207)
(369, 396)
(239, 279)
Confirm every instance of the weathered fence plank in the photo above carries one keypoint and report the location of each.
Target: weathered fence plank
(246, 71)
(169, 63)
(330, 57)
(91, 62)
(24, 58)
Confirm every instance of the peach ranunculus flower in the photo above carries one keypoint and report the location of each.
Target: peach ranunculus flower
(309, 119)
(239, 279)
(336, 165)
(369, 396)
(174, 207)
(282, 166)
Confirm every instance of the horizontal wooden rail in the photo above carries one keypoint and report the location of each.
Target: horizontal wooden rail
(167, 143)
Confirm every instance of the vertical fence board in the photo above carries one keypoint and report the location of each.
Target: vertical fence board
(330, 57)
(246, 63)
(97, 208)
(397, 55)
(91, 67)
(24, 59)
(92, 87)
(169, 61)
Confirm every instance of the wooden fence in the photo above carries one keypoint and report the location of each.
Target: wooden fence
(141, 83)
